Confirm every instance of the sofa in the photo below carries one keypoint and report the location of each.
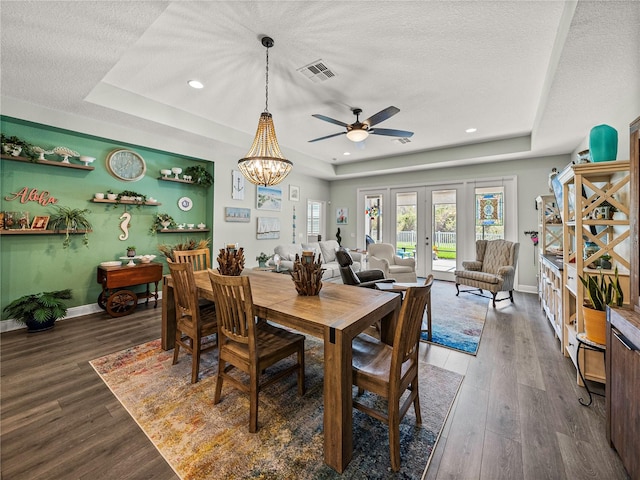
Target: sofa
(326, 248)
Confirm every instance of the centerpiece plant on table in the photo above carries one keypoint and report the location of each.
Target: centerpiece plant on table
(262, 259)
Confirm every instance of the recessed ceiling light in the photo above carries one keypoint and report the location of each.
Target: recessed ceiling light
(195, 84)
(471, 130)
(347, 153)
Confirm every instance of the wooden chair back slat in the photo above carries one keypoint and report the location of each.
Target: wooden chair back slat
(201, 258)
(234, 305)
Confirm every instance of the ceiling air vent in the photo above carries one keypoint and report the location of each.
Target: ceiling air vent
(401, 140)
(317, 71)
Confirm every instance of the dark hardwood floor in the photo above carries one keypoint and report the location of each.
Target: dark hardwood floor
(517, 415)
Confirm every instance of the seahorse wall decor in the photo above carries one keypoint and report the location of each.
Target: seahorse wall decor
(124, 226)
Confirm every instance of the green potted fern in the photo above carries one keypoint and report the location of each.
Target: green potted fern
(600, 291)
(39, 311)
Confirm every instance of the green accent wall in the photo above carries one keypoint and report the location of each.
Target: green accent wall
(35, 263)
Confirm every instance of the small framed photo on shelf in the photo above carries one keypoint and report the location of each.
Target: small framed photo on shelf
(342, 216)
(40, 223)
(294, 193)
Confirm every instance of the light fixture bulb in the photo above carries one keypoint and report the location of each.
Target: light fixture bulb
(195, 84)
(471, 130)
(357, 134)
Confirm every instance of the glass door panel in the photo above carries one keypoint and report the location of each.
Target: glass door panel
(443, 221)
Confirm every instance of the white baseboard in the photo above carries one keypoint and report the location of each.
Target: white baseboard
(528, 288)
(72, 312)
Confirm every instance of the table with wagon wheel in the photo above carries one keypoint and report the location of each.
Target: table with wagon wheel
(119, 301)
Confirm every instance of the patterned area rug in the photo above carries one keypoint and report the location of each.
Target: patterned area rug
(201, 440)
(457, 322)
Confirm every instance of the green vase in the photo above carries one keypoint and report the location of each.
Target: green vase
(603, 143)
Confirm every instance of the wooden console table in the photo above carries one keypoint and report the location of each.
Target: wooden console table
(118, 301)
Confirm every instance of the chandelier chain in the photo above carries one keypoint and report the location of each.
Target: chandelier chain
(266, 84)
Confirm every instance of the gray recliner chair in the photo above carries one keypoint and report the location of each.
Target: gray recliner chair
(365, 278)
(494, 269)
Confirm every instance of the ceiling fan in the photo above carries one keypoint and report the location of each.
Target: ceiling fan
(358, 131)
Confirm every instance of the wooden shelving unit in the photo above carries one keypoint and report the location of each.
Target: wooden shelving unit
(550, 278)
(46, 162)
(184, 230)
(28, 231)
(178, 180)
(585, 188)
(125, 202)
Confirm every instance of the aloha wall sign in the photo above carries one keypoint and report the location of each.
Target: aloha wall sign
(26, 195)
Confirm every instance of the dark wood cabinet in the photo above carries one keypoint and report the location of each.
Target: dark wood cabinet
(623, 379)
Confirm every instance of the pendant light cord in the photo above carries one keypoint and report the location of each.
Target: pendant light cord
(266, 86)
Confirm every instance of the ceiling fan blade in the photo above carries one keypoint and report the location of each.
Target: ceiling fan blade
(381, 116)
(328, 136)
(329, 119)
(390, 132)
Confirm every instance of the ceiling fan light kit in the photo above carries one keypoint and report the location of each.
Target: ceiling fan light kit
(359, 131)
(264, 164)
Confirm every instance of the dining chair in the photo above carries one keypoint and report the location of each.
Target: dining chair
(201, 258)
(249, 345)
(390, 371)
(193, 322)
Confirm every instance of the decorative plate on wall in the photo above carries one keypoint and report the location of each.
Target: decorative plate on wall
(185, 204)
(126, 165)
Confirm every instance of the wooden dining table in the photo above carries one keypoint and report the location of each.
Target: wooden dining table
(336, 315)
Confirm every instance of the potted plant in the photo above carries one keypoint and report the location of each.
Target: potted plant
(600, 291)
(262, 259)
(69, 220)
(131, 251)
(199, 175)
(161, 221)
(15, 146)
(39, 311)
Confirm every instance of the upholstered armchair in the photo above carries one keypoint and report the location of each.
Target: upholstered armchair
(365, 278)
(494, 269)
(383, 256)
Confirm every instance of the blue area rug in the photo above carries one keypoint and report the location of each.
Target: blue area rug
(457, 322)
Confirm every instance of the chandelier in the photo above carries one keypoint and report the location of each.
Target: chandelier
(264, 163)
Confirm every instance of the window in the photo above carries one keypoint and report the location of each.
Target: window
(314, 218)
(489, 213)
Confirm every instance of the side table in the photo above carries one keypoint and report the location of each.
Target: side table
(586, 344)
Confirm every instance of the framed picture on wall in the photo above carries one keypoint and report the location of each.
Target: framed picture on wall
(342, 216)
(234, 214)
(40, 223)
(237, 185)
(269, 198)
(268, 228)
(294, 193)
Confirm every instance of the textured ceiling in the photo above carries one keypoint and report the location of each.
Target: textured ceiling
(532, 77)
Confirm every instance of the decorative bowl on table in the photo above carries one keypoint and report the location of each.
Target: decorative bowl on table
(147, 258)
(112, 263)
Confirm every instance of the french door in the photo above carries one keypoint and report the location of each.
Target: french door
(426, 227)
